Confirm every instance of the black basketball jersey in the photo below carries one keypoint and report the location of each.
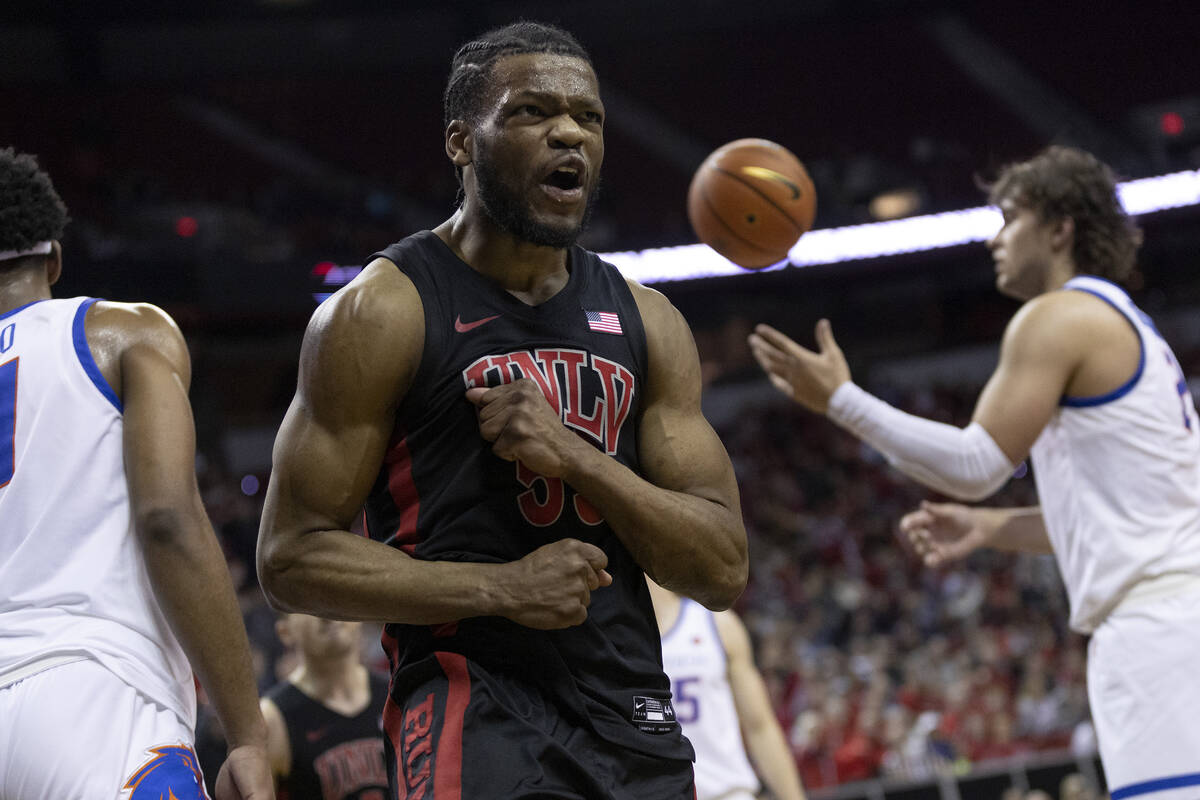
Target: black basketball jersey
(442, 494)
(334, 757)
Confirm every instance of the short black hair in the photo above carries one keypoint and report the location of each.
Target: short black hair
(1062, 182)
(471, 67)
(30, 210)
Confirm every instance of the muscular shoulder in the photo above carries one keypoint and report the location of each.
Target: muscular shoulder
(669, 343)
(136, 322)
(119, 330)
(1062, 323)
(381, 299)
(658, 314)
(368, 335)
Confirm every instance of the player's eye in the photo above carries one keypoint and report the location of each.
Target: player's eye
(530, 110)
(592, 117)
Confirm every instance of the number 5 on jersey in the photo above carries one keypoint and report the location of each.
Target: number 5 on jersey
(8, 420)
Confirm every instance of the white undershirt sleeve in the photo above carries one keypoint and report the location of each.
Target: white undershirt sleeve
(964, 463)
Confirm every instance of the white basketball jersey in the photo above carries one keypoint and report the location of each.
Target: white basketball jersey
(1118, 476)
(694, 660)
(73, 582)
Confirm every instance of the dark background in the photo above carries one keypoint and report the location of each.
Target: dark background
(213, 154)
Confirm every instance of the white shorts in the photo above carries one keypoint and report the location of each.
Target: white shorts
(78, 732)
(1144, 689)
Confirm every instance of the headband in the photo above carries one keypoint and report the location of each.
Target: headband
(39, 249)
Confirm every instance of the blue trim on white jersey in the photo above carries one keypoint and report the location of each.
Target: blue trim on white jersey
(683, 601)
(1157, 785)
(87, 360)
(1123, 389)
(712, 624)
(8, 314)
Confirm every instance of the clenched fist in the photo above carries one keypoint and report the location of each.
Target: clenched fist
(522, 426)
(552, 586)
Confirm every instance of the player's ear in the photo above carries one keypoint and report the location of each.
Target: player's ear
(54, 263)
(459, 143)
(1062, 234)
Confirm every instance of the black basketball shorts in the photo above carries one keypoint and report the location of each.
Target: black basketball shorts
(467, 734)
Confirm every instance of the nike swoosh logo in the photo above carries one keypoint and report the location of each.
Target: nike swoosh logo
(772, 175)
(463, 327)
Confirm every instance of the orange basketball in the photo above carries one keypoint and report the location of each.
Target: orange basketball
(750, 201)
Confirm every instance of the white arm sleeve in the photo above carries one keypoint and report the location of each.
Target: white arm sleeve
(964, 463)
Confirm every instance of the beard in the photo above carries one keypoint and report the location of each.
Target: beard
(508, 210)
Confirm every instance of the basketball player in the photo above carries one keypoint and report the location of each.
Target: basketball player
(524, 428)
(323, 733)
(722, 703)
(1088, 387)
(111, 579)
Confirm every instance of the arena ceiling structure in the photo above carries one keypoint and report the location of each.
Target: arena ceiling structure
(275, 137)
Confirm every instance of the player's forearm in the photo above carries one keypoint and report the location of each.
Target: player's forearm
(340, 575)
(192, 584)
(773, 759)
(689, 544)
(966, 464)
(1015, 529)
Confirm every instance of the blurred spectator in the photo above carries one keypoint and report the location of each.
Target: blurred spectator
(875, 666)
(1076, 787)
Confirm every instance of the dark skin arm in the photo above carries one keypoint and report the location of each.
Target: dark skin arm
(143, 357)
(681, 518)
(360, 353)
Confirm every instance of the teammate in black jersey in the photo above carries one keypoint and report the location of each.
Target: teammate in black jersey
(323, 734)
(523, 427)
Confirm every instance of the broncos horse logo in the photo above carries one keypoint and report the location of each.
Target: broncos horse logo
(172, 774)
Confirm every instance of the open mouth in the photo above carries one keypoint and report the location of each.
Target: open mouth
(565, 178)
(564, 183)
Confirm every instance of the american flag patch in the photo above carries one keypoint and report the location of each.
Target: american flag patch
(604, 322)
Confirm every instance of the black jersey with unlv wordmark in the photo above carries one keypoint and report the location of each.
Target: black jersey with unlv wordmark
(334, 756)
(442, 494)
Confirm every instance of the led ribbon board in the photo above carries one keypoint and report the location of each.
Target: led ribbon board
(853, 242)
(876, 240)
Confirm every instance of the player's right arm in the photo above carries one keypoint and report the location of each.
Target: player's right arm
(144, 358)
(1044, 346)
(361, 350)
(942, 533)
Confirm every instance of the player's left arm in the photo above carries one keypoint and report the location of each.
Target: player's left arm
(182, 556)
(683, 522)
(765, 743)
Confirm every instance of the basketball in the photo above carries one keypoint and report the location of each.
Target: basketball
(750, 201)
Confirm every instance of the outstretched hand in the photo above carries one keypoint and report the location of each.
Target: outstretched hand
(941, 533)
(810, 378)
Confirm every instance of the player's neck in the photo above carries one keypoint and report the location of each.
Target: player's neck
(20, 287)
(1058, 274)
(532, 273)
